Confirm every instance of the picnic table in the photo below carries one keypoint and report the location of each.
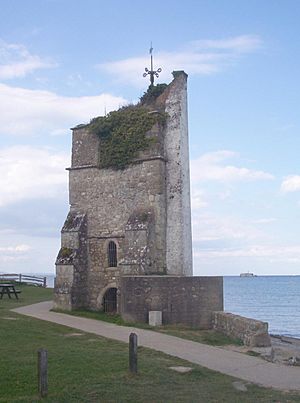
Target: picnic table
(9, 289)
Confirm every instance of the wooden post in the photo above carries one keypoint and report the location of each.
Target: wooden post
(45, 282)
(133, 353)
(20, 278)
(43, 372)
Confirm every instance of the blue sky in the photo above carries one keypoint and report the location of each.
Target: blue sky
(64, 62)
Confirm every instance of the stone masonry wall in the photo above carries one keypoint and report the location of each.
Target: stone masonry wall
(252, 332)
(179, 233)
(85, 148)
(109, 198)
(144, 209)
(71, 263)
(186, 300)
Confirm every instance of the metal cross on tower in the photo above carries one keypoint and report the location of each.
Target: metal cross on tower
(151, 72)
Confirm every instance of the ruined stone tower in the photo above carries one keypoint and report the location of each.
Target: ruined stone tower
(129, 226)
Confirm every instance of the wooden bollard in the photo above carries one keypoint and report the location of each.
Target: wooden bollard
(133, 353)
(43, 372)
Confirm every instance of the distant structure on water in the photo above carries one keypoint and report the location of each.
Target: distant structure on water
(248, 274)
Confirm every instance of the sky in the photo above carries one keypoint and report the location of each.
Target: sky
(64, 62)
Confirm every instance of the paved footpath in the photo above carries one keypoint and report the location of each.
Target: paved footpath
(251, 369)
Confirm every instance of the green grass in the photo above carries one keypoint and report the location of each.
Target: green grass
(210, 337)
(98, 315)
(253, 353)
(88, 368)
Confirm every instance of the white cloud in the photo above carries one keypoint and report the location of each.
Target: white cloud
(291, 184)
(30, 173)
(264, 220)
(24, 111)
(288, 252)
(198, 199)
(14, 253)
(38, 256)
(15, 249)
(211, 167)
(197, 57)
(239, 44)
(17, 61)
(210, 227)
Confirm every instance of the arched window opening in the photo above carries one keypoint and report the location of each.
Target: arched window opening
(112, 254)
(110, 301)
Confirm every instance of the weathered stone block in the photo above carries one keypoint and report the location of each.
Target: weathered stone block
(260, 340)
(252, 332)
(155, 318)
(64, 273)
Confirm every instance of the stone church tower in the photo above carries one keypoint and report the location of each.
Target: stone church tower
(129, 226)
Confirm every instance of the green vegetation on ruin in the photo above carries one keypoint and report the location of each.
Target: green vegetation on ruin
(123, 133)
(153, 92)
(86, 368)
(65, 253)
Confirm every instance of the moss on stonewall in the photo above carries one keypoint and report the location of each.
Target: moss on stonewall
(123, 134)
(65, 253)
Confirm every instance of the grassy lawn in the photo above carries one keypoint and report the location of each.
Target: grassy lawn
(201, 336)
(87, 368)
(210, 337)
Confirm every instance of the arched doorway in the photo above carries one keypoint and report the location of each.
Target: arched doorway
(110, 300)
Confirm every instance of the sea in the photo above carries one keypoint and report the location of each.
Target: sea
(272, 299)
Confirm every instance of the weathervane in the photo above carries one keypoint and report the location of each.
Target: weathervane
(151, 72)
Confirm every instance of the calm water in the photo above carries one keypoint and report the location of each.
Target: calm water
(274, 299)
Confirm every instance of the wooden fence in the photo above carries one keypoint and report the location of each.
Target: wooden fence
(24, 278)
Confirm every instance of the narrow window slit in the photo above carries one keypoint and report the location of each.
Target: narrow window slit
(112, 254)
